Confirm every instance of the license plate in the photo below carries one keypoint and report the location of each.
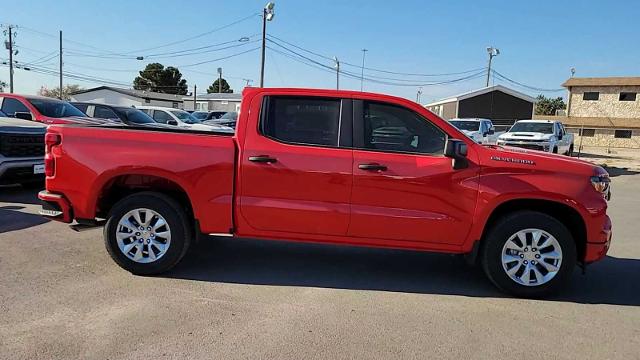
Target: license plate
(38, 169)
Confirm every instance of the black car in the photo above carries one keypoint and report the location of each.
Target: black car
(215, 115)
(128, 115)
(228, 119)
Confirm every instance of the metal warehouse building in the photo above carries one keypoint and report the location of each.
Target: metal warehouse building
(498, 103)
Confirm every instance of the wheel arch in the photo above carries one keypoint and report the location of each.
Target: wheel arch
(120, 186)
(566, 214)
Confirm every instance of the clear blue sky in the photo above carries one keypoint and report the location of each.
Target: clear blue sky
(539, 41)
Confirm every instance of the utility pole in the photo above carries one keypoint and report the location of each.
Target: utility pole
(10, 59)
(492, 52)
(337, 72)
(60, 65)
(267, 15)
(195, 88)
(249, 81)
(219, 80)
(418, 95)
(364, 51)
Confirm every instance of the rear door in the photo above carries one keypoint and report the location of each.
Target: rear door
(295, 167)
(404, 188)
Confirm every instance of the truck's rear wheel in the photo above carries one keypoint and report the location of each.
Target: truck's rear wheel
(570, 151)
(555, 150)
(147, 233)
(529, 254)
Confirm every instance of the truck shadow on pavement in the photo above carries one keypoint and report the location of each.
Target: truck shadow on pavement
(276, 263)
(12, 217)
(617, 171)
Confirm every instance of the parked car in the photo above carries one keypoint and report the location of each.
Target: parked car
(200, 115)
(39, 108)
(216, 115)
(21, 151)
(335, 167)
(228, 119)
(543, 135)
(180, 118)
(128, 115)
(481, 131)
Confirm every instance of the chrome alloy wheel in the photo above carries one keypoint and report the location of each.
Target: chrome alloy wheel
(531, 257)
(143, 235)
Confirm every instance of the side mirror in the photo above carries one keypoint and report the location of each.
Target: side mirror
(172, 122)
(559, 136)
(23, 115)
(457, 150)
(491, 131)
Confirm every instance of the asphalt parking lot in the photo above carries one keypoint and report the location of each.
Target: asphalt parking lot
(62, 297)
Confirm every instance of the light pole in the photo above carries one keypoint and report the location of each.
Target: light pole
(267, 15)
(364, 51)
(335, 58)
(418, 95)
(492, 52)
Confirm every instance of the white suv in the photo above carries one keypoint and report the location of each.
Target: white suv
(179, 118)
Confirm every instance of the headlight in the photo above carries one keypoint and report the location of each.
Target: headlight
(601, 182)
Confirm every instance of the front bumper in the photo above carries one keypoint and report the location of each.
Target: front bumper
(55, 207)
(597, 248)
(20, 171)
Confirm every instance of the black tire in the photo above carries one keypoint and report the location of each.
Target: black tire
(498, 235)
(555, 149)
(175, 216)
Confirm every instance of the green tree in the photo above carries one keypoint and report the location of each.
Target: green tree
(67, 91)
(548, 106)
(3, 85)
(155, 77)
(214, 88)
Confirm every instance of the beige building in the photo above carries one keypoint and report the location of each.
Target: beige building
(603, 111)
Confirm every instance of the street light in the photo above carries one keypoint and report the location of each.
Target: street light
(267, 15)
(492, 52)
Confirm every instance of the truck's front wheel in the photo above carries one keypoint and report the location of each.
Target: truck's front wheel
(529, 254)
(147, 233)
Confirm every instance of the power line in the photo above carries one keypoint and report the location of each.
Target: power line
(313, 63)
(196, 36)
(374, 69)
(503, 77)
(218, 59)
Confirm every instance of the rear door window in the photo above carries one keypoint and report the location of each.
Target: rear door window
(302, 120)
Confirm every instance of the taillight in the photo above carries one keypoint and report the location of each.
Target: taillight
(50, 140)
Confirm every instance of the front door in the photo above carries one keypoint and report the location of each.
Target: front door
(296, 167)
(404, 189)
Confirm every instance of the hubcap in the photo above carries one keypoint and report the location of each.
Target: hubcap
(531, 257)
(143, 235)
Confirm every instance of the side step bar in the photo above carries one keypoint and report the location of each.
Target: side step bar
(83, 225)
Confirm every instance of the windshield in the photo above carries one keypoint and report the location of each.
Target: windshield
(136, 116)
(466, 125)
(185, 117)
(200, 115)
(545, 128)
(55, 109)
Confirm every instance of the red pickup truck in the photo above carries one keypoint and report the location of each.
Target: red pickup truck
(336, 167)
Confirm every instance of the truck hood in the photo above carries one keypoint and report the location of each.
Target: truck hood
(19, 126)
(507, 156)
(525, 136)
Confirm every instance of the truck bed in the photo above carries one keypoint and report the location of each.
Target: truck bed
(201, 164)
